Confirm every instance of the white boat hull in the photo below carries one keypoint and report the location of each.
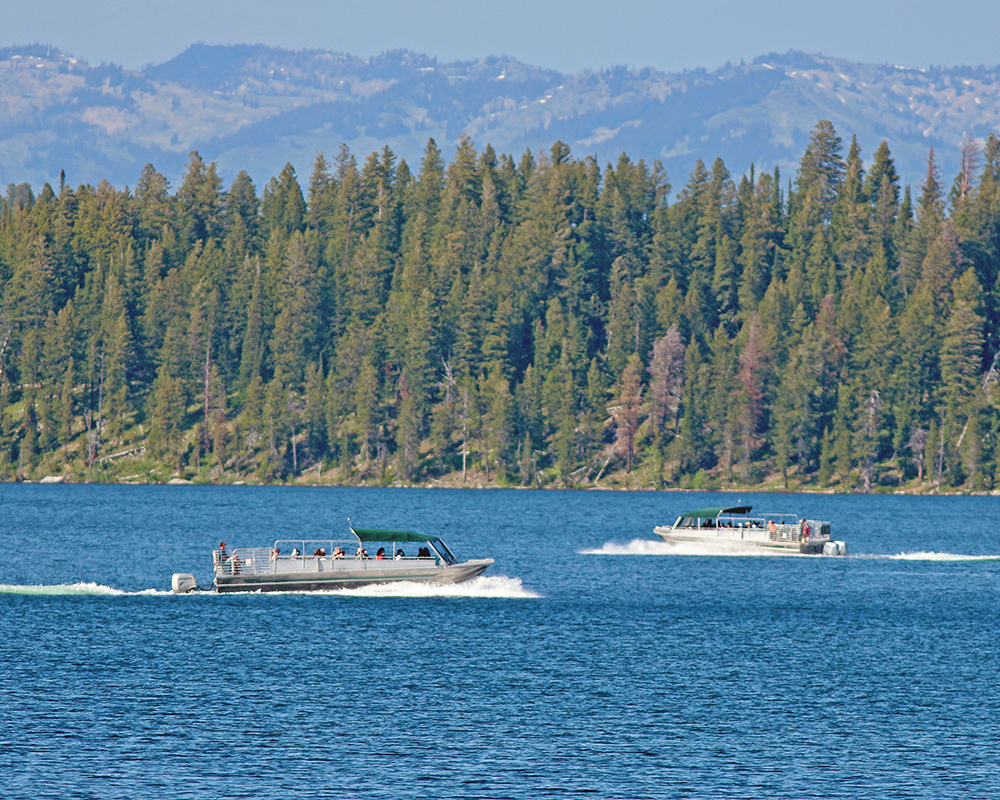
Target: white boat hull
(325, 574)
(753, 537)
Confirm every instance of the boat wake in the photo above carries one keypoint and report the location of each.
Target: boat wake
(648, 547)
(80, 589)
(932, 556)
(481, 586)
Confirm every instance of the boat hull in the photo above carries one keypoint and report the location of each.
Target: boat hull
(738, 537)
(327, 576)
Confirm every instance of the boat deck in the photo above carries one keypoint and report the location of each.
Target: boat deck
(262, 561)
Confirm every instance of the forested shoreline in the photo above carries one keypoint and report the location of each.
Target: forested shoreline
(534, 322)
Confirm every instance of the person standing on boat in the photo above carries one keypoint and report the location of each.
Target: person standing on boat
(220, 556)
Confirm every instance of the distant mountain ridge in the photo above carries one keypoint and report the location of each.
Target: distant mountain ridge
(255, 107)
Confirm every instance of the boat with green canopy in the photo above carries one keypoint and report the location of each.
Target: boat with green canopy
(738, 525)
(315, 565)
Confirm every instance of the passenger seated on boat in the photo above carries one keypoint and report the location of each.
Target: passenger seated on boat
(423, 552)
(320, 552)
(295, 552)
(338, 552)
(275, 553)
(361, 554)
(380, 554)
(400, 554)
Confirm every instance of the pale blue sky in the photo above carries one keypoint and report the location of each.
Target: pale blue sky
(586, 34)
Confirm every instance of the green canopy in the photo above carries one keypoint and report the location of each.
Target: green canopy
(383, 535)
(714, 512)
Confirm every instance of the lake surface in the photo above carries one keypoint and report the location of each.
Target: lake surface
(589, 661)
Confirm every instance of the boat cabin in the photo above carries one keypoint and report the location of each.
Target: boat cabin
(288, 555)
(732, 517)
(779, 526)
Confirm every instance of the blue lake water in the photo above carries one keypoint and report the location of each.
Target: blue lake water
(589, 661)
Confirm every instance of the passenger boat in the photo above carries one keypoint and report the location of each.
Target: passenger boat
(315, 565)
(736, 525)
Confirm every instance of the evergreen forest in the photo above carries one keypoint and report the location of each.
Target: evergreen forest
(537, 321)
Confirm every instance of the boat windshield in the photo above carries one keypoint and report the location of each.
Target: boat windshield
(442, 550)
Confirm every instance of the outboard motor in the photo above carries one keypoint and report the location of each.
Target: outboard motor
(182, 583)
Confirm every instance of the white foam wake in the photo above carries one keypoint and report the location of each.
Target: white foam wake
(648, 547)
(92, 589)
(932, 556)
(482, 586)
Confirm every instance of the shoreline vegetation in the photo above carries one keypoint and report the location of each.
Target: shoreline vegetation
(640, 479)
(539, 323)
(627, 483)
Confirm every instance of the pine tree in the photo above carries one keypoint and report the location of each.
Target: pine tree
(296, 327)
(153, 204)
(627, 408)
(961, 355)
(748, 403)
(498, 425)
(242, 205)
(666, 381)
(930, 219)
(200, 202)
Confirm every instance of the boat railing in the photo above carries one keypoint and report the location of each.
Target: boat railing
(738, 522)
(245, 561)
(303, 546)
(779, 527)
(264, 560)
(804, 530)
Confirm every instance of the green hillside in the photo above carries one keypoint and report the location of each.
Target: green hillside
(539, 322)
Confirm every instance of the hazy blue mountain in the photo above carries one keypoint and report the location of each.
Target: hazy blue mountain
(254, 107)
